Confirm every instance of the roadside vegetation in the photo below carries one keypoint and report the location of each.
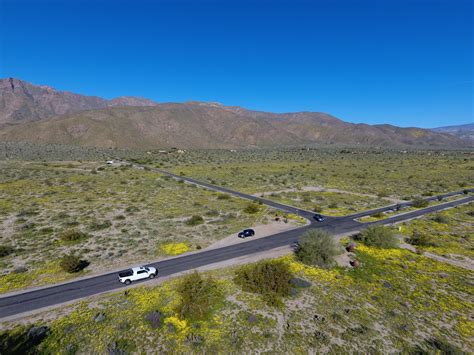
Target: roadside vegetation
(378, 236)
(393, 302)
(64, 219)
(105, 215)
(448, 233)
(317, 248)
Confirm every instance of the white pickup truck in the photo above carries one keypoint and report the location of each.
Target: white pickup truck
(137, 273)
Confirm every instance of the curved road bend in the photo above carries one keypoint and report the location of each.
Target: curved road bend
(55, 295)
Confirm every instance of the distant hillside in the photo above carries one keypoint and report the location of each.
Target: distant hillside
(210, 125)
(465, 131)
(23, 102)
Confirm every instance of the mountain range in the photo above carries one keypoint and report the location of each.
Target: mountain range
(21, 101)
(464, 131)
(44, 115)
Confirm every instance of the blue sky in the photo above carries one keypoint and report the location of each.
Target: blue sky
(404, 62)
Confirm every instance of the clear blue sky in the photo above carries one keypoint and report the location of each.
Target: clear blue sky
(404, 62)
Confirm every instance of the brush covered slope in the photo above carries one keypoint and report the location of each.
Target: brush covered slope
(205, 126)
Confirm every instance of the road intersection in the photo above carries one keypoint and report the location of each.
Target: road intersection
(55, 295)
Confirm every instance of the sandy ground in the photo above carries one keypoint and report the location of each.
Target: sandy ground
(465, 264)
(321, 188)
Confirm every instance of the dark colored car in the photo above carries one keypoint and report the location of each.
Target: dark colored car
(246, 233)
(319, 218)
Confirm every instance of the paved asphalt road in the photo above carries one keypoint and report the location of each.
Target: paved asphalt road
(55, 295)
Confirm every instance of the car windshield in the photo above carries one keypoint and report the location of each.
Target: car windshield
(147, 269)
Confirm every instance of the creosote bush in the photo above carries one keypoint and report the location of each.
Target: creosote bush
(251, 208)
(270, 278)
(379, 237)
(437, 346)
(198, 297)
(317, 247)
(97, 225)
(317, 209)
(72, 235)
(195, 220)
(71, 263)
(420, 203)
(6, 250)
(420, 239)
(22, 339)
(441, 219)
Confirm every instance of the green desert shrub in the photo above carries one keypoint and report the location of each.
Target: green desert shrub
(22, 339)
(317, 209)
(378, 236)
(436, 346)
(420, 203)
(377, 215)
(420, 239)
(72, 235)
(317, 247)
(71, 263)
(6, 250)
(270, 278)
(439, 218)
(195, 220)
(198, 296)
(251, 208)
(223, 197)
(99, 225)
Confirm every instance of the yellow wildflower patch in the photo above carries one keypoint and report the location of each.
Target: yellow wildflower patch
(174, 248)
(381, 253)
(180, 325)
(312, 271)
(296, 218)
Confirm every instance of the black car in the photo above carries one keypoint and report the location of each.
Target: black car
(246, 233)
(318, 217)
